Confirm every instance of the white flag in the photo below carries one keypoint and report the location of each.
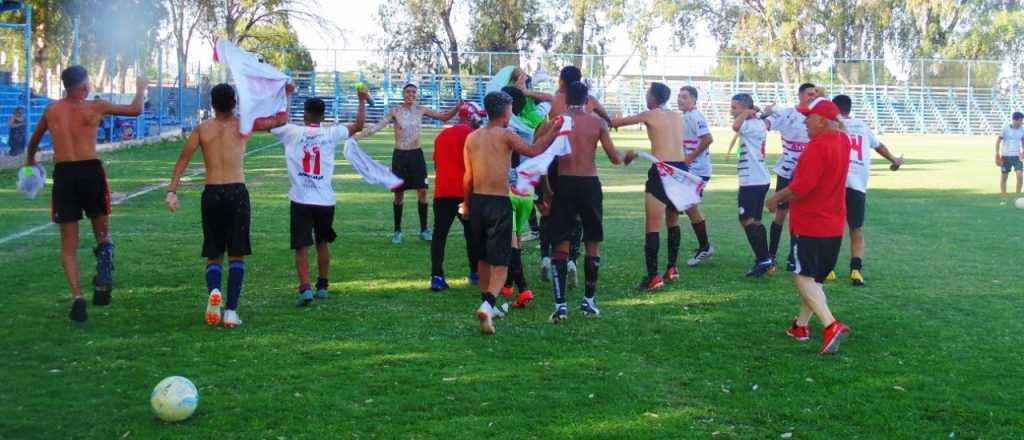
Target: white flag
(373, 172)
(530, 171)
(682, 187)
(261, 87)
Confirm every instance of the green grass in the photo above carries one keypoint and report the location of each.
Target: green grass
(935, 348)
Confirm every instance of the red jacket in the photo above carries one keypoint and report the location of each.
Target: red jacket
(449, 168)
(819, 187)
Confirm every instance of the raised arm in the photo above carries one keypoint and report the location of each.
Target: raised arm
(33, 143)
(133, 109)
(737, 122)
(638, 118)
(271, 122)
(179, 168)
(540, 142)
(373, 129)
(356, 126)
(443, 117)
(538, 96)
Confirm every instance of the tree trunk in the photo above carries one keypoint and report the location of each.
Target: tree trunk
(454, 63)
(580, 24)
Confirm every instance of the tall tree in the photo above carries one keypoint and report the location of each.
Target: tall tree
(186, 19)
(417, 28)
(237, 20)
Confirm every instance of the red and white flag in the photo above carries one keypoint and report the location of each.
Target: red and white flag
(261, 87)
(682, 187)
(530, 171)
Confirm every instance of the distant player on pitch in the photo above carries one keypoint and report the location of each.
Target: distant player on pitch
(1010, 152)
(309, 154)
(754, 179)
(79, 180)
(665, 130)
(697, 141)
(862, 142)
(225, 202)
(488, 160)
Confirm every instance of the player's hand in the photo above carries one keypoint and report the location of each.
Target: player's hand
(629, 158)
(464, 210)
(289, 88)
(999, 160)
(363, 93)
(772, 204)
(172, 201)
(896, 164)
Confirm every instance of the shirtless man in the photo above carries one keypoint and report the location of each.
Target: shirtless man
(79, 180)
(488, 158)
(407, 160)
(577, 194)
(225, 200)
(665, 130)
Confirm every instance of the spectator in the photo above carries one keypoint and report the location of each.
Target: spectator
(16, 131)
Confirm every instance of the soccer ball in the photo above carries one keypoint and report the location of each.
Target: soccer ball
(1019, 203)
(174, 399)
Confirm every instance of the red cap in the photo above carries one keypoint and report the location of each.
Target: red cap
(821, 107)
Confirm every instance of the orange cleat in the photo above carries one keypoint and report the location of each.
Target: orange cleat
(213, 307)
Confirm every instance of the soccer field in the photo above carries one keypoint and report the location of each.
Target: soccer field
(935, 350)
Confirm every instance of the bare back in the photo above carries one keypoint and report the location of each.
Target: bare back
(72, 124)
(489, 157)
(665, 130)
(223, 150)
(587, 130)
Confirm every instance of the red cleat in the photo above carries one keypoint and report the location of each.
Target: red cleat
(799, 333)
(506, 292)
(651, 283)
(833, 335)
(671, 274)
(213, 305)
(523, 299)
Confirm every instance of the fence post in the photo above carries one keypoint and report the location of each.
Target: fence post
(337, 94)
(312, 83)
(970, 99)
(921, 97)
(160, 92)
(490, 63)
(28, 70)
(874, 95)
(736, 80)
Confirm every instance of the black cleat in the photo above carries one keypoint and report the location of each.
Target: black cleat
(101, 293)
(760, 269)
(78, 313)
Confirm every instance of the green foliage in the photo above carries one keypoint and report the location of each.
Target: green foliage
(278, 44)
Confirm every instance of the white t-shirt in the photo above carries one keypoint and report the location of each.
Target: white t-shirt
(862, 143)
(750, 167)
(790, 124)
(309, 153)
(1011, 140)
(696, 126)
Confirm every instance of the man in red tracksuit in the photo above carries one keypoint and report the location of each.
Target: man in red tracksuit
(817, 196)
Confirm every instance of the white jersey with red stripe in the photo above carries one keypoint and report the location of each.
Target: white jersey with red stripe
(309, 154)
(750, 167)
(696, 127)
(862, 142)
(790, 124)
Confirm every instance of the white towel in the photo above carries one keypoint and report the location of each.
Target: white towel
(533, 169)
(373, 172)
(261, 87)
(682, 188)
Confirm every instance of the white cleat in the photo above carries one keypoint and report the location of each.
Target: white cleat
(231, 319)
(486, 316)
(213, 307)
(701, 256)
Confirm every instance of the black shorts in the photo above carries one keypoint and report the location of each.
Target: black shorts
(816, 257)
(856, 205)
(750, 200)
(490, 225)
(577, 197)
(654, 187)
(226, 220)
(308, 221)
(409, 166)
(1012, 163)
(780, 184)
(79, 186)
